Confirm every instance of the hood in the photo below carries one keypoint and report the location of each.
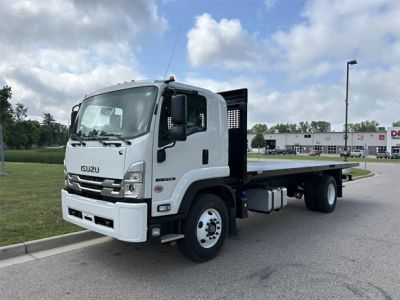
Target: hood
(96, 160)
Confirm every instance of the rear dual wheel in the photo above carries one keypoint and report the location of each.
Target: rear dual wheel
(320, 193)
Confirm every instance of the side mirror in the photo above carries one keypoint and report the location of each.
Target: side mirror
(178, 132)
(74, 113)
(179, 109)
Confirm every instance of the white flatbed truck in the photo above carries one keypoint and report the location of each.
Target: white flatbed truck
(163, 161)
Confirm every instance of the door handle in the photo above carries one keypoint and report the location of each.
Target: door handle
(205, 157)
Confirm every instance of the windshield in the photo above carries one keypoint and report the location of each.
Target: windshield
(125, 114)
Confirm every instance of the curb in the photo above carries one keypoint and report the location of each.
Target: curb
(364, 176)
(46, 243)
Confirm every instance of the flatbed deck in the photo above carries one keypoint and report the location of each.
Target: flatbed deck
(270, 168)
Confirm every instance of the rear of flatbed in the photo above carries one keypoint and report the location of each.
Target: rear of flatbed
(258, 170)
(264, 186)
(311, 179)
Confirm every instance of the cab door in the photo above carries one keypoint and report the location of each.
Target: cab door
(182, 157)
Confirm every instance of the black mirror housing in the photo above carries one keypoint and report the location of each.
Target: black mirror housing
(74, 113)
(179, 109)
(178, 132)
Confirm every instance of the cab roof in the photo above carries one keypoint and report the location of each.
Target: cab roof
(159, 83)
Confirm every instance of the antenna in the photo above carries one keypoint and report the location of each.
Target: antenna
(172, 53)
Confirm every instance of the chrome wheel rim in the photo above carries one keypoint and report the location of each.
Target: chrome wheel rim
(209, 228)
(331, 194)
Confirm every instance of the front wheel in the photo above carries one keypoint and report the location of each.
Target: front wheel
(204, 228)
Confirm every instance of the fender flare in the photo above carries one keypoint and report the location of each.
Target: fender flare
(216, 186)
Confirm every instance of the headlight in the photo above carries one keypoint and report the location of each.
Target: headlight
(133, 181)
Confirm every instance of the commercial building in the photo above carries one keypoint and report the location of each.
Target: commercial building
(333, 142)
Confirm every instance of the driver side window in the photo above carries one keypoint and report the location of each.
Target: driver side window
(196, 117)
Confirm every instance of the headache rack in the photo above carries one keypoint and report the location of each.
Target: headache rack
(236, 101)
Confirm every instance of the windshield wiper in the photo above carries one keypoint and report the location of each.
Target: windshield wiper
(118, 136)
(98, 139)
(78, 138)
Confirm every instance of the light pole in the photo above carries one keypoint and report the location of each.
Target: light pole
(351, 62)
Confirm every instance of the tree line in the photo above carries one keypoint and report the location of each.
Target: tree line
(19, 133)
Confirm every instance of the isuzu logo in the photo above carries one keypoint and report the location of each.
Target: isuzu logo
(90, 169)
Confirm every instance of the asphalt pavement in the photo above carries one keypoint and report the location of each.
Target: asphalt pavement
(353, 253)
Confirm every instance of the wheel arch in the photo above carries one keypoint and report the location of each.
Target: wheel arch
(216, 186)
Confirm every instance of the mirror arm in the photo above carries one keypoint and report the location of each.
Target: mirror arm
(169, 146)
(161, 154)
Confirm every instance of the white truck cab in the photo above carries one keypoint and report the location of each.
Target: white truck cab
(159, 160)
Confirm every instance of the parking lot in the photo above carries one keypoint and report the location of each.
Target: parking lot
(350, 254)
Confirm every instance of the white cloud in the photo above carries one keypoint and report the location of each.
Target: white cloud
(373, 95)
(335, 31)
(331, 33)
(224, 43)
(54, 52)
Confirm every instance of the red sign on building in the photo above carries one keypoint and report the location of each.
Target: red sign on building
(395, 134)
(381, 137)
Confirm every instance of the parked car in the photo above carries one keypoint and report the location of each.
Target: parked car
(383, 155)
(290, 152)
(395, 156)
(314, 153)
(345, 153)
(270, 151)
(357, 153)
(280, 151)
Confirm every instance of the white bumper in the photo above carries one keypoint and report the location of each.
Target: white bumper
(129, 220)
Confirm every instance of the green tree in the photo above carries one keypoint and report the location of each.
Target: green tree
(259, 128)
(48, 119)
(294, 128)
(369, 126)
(258, 141)
(32, 129)
(20, 112)
(304, 126)
(46, 136)
(60, 134)
(6, 112)
(281, 128)
(320, 126)
(396, 124)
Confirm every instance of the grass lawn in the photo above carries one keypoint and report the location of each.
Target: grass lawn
(355, 172)
(30, 203)
(330, 158)
(47, 156)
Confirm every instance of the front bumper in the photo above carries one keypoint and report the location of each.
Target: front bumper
(123, 221)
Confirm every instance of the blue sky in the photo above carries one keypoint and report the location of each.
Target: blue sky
(291, 55)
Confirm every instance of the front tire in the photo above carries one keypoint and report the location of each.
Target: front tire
(204, 228)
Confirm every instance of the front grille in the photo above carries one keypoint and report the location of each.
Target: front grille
(95, 186)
